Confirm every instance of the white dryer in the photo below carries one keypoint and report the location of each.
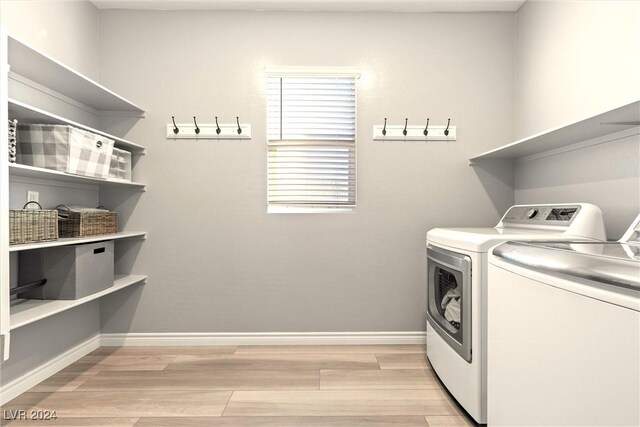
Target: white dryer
(564, 333)
(456, 288)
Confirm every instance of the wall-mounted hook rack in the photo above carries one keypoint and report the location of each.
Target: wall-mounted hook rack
(414, 133)
(203, 131)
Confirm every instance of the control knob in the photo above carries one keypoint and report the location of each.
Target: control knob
(531, 213)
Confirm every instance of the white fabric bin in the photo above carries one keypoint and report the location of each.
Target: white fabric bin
(64, 148)
(120, 165)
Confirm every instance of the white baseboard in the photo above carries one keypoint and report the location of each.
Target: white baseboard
(263, 338)
(44, 371)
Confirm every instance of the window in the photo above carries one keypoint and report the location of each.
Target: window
(311, 140)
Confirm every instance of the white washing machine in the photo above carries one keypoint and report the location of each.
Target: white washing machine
(564, 333)
(456, 288)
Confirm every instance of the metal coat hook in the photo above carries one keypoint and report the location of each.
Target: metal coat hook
(175, 128)
(425, 132)
(197, 130)
(196, 123)
(446, 131)
(404, 131)
(384, 128)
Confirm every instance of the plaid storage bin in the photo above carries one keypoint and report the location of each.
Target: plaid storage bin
(64, 148)
(120, 165)
(13, 149)
(84, 223)
(32, 226)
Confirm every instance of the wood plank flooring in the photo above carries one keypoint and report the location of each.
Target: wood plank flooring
(349, 385)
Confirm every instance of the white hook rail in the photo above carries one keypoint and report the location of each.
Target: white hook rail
(414, 133)
(209, 131)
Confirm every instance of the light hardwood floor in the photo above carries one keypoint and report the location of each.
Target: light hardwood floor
(376, 385)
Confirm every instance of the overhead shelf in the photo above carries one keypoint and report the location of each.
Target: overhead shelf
(77, 240)
(40, 68)
(617, 119)
(26, 113)
(16, 169)
(25, 311)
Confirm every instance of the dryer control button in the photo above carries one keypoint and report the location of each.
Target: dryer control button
(531, 213)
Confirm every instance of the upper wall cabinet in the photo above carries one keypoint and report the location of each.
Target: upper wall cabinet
(607, 122)
(37, 67)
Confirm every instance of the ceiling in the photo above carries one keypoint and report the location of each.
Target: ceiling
(318, 5)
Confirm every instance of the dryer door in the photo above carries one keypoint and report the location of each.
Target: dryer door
(449, 298)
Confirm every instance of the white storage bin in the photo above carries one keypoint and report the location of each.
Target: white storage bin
(64, 148)
(120, 165)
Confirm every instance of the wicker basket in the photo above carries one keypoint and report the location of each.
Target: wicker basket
(32, 226)
(84, 224)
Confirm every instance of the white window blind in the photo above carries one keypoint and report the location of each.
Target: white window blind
(312, 149)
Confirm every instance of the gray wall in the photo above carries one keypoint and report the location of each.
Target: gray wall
(217, 261)
(605, 174)
(574, 59)
(68, 32)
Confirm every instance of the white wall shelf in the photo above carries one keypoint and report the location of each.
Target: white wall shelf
(607, 122)
(40, 68)
(26, 113)
(77, 240)
(16, 169)
(26, 311)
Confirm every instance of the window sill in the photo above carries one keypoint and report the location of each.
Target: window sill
(278, 209)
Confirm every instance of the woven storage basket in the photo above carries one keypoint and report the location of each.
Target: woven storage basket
(32, 226)
(83, 224)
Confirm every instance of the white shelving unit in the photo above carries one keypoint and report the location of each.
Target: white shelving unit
(38, 67)
(78, 240)
(40, 79)
(26, 113)
(28, 311)
(604, 123)
(16, 169)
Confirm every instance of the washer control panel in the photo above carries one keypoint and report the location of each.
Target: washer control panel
(542, 215)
